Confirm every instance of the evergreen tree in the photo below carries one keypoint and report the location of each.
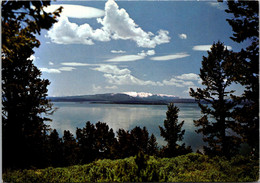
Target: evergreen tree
(87, 143)
(152, 147)
(217, 126)
(70, 150)
(124, 145)
(105, 140)
(245, 68)
(172, 132)
(139, 139)
(23, 91)
(55, 152)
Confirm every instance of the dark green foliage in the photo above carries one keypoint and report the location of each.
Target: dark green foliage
(86, 143)
(245, 68)
(187, 168)
(152, 146)
(218, 131)
(245, 23)
(69, 149)
(172, 133)
(23, 91)
(135, 141)
(95, 141)
(55, 152)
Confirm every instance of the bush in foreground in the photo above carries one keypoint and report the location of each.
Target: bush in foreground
(187, 168)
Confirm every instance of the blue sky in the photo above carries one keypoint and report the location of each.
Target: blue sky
(122, 46)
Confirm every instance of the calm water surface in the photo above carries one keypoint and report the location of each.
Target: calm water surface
(71, 115)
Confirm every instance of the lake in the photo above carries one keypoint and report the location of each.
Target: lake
(71, 115)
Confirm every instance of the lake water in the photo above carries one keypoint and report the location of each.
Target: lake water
(71, 115)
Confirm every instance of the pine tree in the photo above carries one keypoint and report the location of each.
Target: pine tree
(245, 25)
(55, 151)
(23, 91)
(105, 140)
(87, 143)
(216, 125)
(70, 150)
(152, 148)
(172, 131)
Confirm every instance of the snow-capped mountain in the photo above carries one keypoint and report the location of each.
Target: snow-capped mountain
(123, 98)
(146, 95)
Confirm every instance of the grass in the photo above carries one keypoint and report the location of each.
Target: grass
(187, 168)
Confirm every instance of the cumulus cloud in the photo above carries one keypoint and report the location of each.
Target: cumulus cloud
(65, 32)
(117, 51)
(184, 80)
(76, 11)
(206, 47)
(116, 24)
(147, 53)
(96, 88)
(128, 79)
(177, 82)
(189, 76)
(183, 36)
(111, 69)
(170, 57)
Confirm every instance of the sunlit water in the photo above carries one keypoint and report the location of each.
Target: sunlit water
(71, 115)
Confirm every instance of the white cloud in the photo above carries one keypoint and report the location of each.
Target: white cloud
(189, 76)
(67, 68)
(111, 69)
(177, 82)
(96, 88)
(116, 24)
(55, 71)
(217, 5)
(148, 53)
(128, 79)
(32, 57)
(51, 63)
(117, 51)
(126, 58)
(76, 11)
(65, 32)
(206, 47)
(111, 87)
(170, 57)
(183, 36)
(131, 58)
(75, 64)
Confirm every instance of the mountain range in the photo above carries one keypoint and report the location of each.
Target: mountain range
(124, 98)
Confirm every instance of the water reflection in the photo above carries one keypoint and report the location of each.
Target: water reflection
(71, 115)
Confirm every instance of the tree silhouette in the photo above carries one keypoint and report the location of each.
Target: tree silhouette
(87, 143)
(218, 131)
(55, 150)
(152, 146)
(105, 140)
(23, 91)
(245, 68)
(69, 149)
(172, 132)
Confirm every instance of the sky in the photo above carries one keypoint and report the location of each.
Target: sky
(131, 46)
